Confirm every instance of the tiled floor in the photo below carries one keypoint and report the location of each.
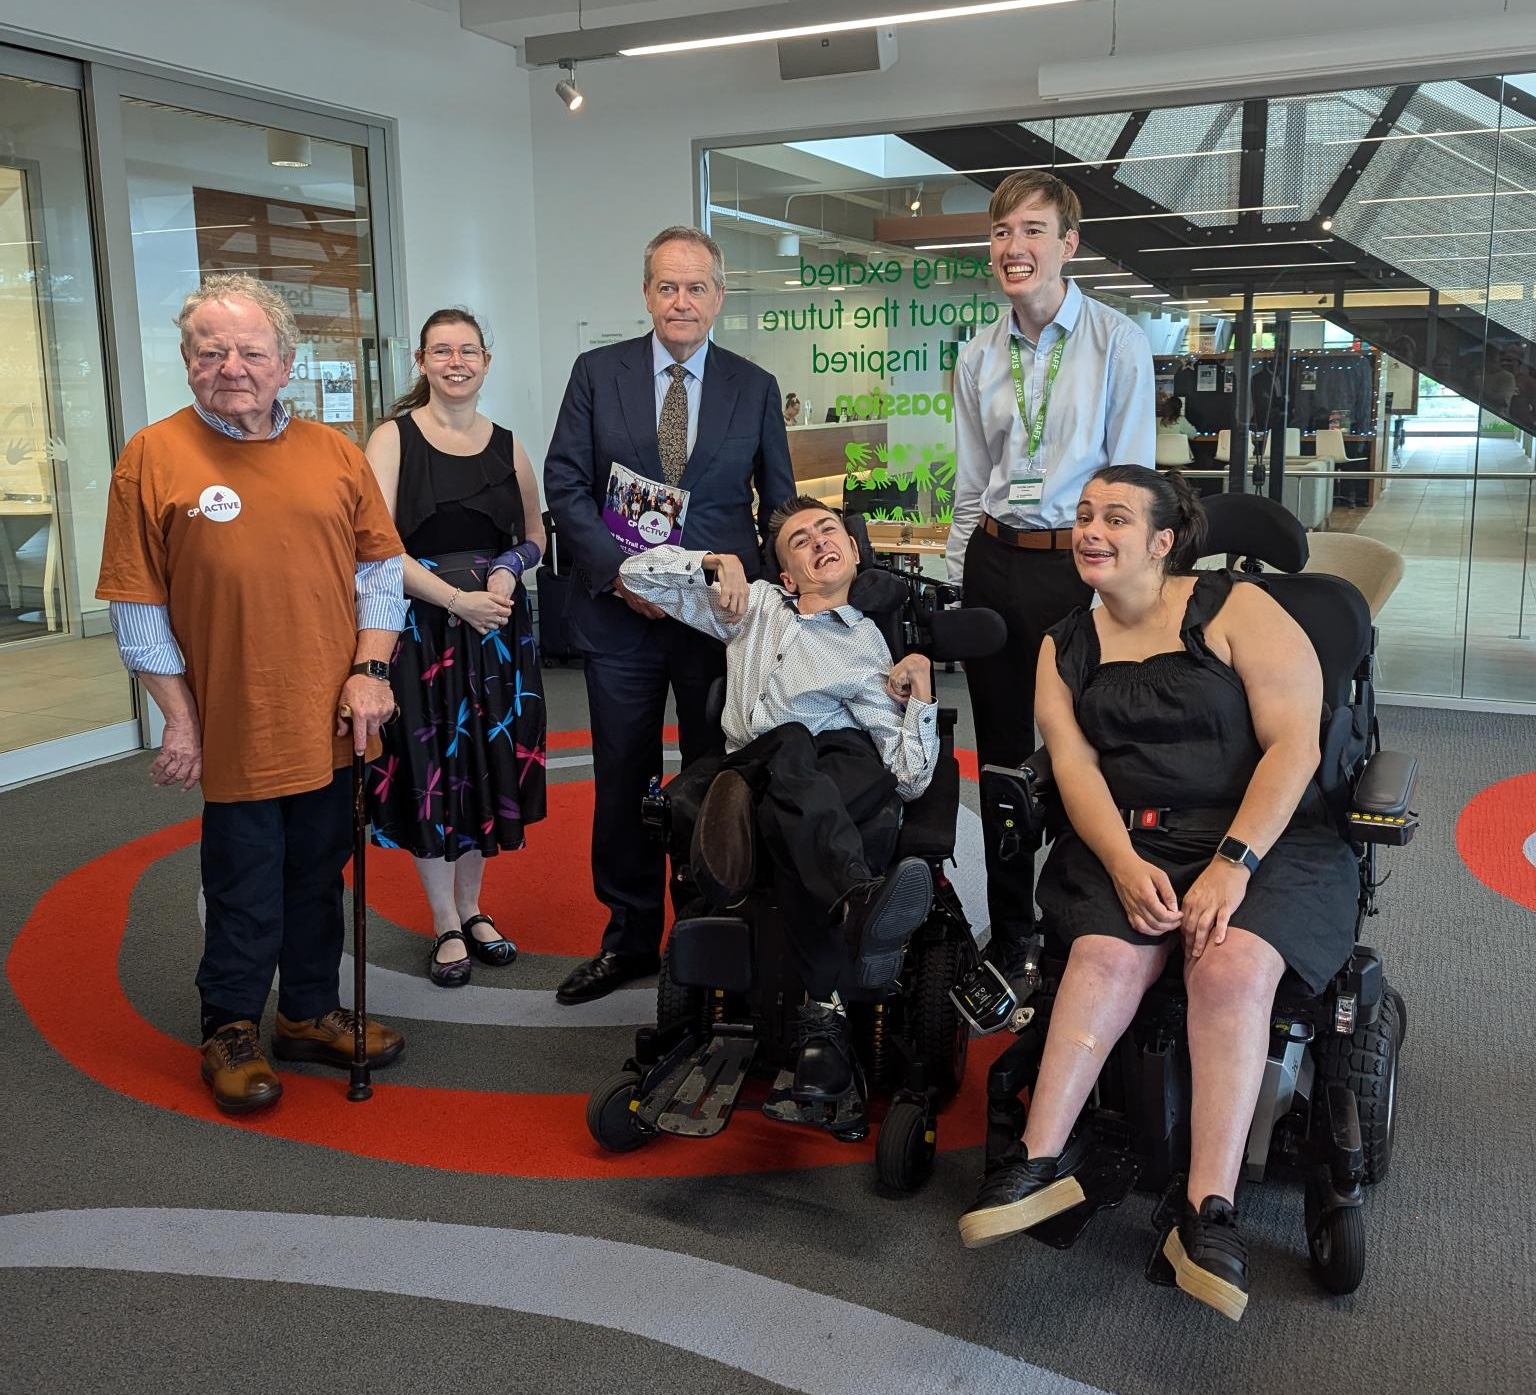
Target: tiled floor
(1462, 622)
(60, 688)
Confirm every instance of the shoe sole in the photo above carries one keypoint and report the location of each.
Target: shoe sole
(1228, 1300)
(979, 1228)
(317, 1054)
(726, 809)
(246, 1106)
(902, 905)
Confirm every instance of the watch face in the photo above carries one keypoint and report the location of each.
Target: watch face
(373, 668)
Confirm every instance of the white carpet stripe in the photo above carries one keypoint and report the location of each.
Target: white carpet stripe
(773, 1330)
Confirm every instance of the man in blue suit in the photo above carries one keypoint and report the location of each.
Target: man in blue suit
(674, 409)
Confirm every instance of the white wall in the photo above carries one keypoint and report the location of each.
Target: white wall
(462, 106)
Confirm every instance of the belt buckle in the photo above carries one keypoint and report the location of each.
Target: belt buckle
(1144, 820)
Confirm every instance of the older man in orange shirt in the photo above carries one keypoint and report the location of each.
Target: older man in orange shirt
(254, 577)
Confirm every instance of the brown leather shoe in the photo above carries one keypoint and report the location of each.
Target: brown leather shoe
(329, 1040)
(237, 1072)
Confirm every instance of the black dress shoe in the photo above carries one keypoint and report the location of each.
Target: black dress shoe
(824, 1065)
(597, 978)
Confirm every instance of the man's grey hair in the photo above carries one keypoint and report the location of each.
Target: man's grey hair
(683, 233)
(226, 285)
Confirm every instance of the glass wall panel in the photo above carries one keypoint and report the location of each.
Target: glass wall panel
(209, 194)
(59, 672)
(1338, 287)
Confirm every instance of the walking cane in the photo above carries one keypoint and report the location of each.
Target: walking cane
(360, 1089)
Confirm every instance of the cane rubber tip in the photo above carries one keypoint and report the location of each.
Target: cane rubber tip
(358, 1093)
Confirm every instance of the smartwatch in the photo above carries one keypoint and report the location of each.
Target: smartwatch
(372, 668)
(1235, 850)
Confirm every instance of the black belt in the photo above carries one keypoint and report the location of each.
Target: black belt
(1213, 819)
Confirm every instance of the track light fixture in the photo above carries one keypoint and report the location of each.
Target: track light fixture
(1326, 224)
(567, 90)
(916, 206)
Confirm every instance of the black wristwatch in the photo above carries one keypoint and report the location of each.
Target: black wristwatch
(372, 668)
(1235, 850)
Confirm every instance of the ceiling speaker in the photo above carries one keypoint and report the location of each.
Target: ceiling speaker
(836, 55)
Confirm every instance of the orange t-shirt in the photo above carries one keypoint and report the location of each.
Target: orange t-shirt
(253, 547)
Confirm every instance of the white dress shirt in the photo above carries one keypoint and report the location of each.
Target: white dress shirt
(1102, 411)
(826, 671)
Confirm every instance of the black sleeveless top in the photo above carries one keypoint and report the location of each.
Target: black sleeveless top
(456, 503)
(1172, 730)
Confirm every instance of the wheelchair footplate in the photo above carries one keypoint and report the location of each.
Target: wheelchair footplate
(1106, 1177)
(844, 1118)
(696, 1089)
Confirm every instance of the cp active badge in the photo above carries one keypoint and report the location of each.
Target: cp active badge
(219, 503)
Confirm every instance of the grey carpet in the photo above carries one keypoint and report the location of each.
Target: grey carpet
(1446, 1306)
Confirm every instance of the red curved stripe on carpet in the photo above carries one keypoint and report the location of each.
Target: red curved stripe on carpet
(1491, 835)
(87, 1018)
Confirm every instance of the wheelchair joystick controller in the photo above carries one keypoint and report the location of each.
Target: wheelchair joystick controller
(990, 1003)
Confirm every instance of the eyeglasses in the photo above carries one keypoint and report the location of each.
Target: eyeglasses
(442, 353)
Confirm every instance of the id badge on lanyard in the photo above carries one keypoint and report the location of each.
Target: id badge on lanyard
(1026, 481)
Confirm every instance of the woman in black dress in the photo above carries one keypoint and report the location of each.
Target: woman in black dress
(1189, 693)
(462, 773)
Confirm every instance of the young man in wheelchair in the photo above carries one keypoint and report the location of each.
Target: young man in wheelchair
(1181, 717)
(825, 739)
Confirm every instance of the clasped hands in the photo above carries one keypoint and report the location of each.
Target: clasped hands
(1152, 909)
(490, 609)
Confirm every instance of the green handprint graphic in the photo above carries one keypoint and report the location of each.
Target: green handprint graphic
(856, 453)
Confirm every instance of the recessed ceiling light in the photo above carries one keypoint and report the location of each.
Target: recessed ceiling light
(1226, 246)
(1196, 212)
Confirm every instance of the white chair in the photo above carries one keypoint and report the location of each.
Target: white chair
(1173, 449)
(1224, 447)
(1292, 441)
(1330, 442)
(1308, 490)
(1371, 566)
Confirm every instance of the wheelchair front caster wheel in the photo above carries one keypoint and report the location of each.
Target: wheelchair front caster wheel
(905, 1148)
(1336, 1244)
(610, 1117)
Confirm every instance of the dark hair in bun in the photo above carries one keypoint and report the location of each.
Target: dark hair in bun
(1174, 506)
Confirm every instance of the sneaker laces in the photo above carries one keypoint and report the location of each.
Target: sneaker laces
(1009, 1173)
(819, 1022)
(1213, 1232)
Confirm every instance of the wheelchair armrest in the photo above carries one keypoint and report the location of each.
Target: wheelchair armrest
(1379, 811)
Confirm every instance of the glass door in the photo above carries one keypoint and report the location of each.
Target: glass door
(61, 684)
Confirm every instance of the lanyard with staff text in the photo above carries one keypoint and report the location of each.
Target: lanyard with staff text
(1037, 427)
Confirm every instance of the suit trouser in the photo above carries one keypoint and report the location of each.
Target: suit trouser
(272, 881)
(626, 703)
(828, 815)
(1032, 590)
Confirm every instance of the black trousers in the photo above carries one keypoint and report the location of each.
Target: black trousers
(626, 702)
(272, 881)
(1031, 589)
(828, 815)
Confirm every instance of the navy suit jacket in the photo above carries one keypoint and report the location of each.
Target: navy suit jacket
(608, 418)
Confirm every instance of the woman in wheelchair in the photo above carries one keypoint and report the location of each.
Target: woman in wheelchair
(1181, 717)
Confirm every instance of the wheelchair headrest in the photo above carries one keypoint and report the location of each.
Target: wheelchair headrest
(1257, 528)
(876, 591)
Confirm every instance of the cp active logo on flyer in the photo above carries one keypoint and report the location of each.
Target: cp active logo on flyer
(218, 504)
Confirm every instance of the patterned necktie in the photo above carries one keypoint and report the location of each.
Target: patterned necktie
(672, 429)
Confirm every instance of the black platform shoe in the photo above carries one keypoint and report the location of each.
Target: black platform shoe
(1019, 1191)
(1209, 1258)
(495, 952)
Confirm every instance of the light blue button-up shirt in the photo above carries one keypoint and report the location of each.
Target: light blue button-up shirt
(1102, 412)
(693, 384)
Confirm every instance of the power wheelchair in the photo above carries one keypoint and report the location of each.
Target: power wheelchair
(729, 992)
(1327, 1104)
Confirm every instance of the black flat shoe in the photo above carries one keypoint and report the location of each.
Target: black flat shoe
(597, 978)
(452, 975)
(1019, 1191)
(495, 952)
(1209, 1258)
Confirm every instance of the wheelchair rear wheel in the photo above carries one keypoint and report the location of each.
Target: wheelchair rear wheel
(939, 1034)
(1367, 1063)
(610, 1120)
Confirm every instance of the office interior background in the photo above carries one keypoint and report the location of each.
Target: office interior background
(1258, 203)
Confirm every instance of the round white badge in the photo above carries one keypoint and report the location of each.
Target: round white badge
(654, 528)
(219, 503)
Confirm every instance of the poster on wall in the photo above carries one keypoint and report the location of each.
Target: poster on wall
(594, 334)
(1205, 378)
(337, 389)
